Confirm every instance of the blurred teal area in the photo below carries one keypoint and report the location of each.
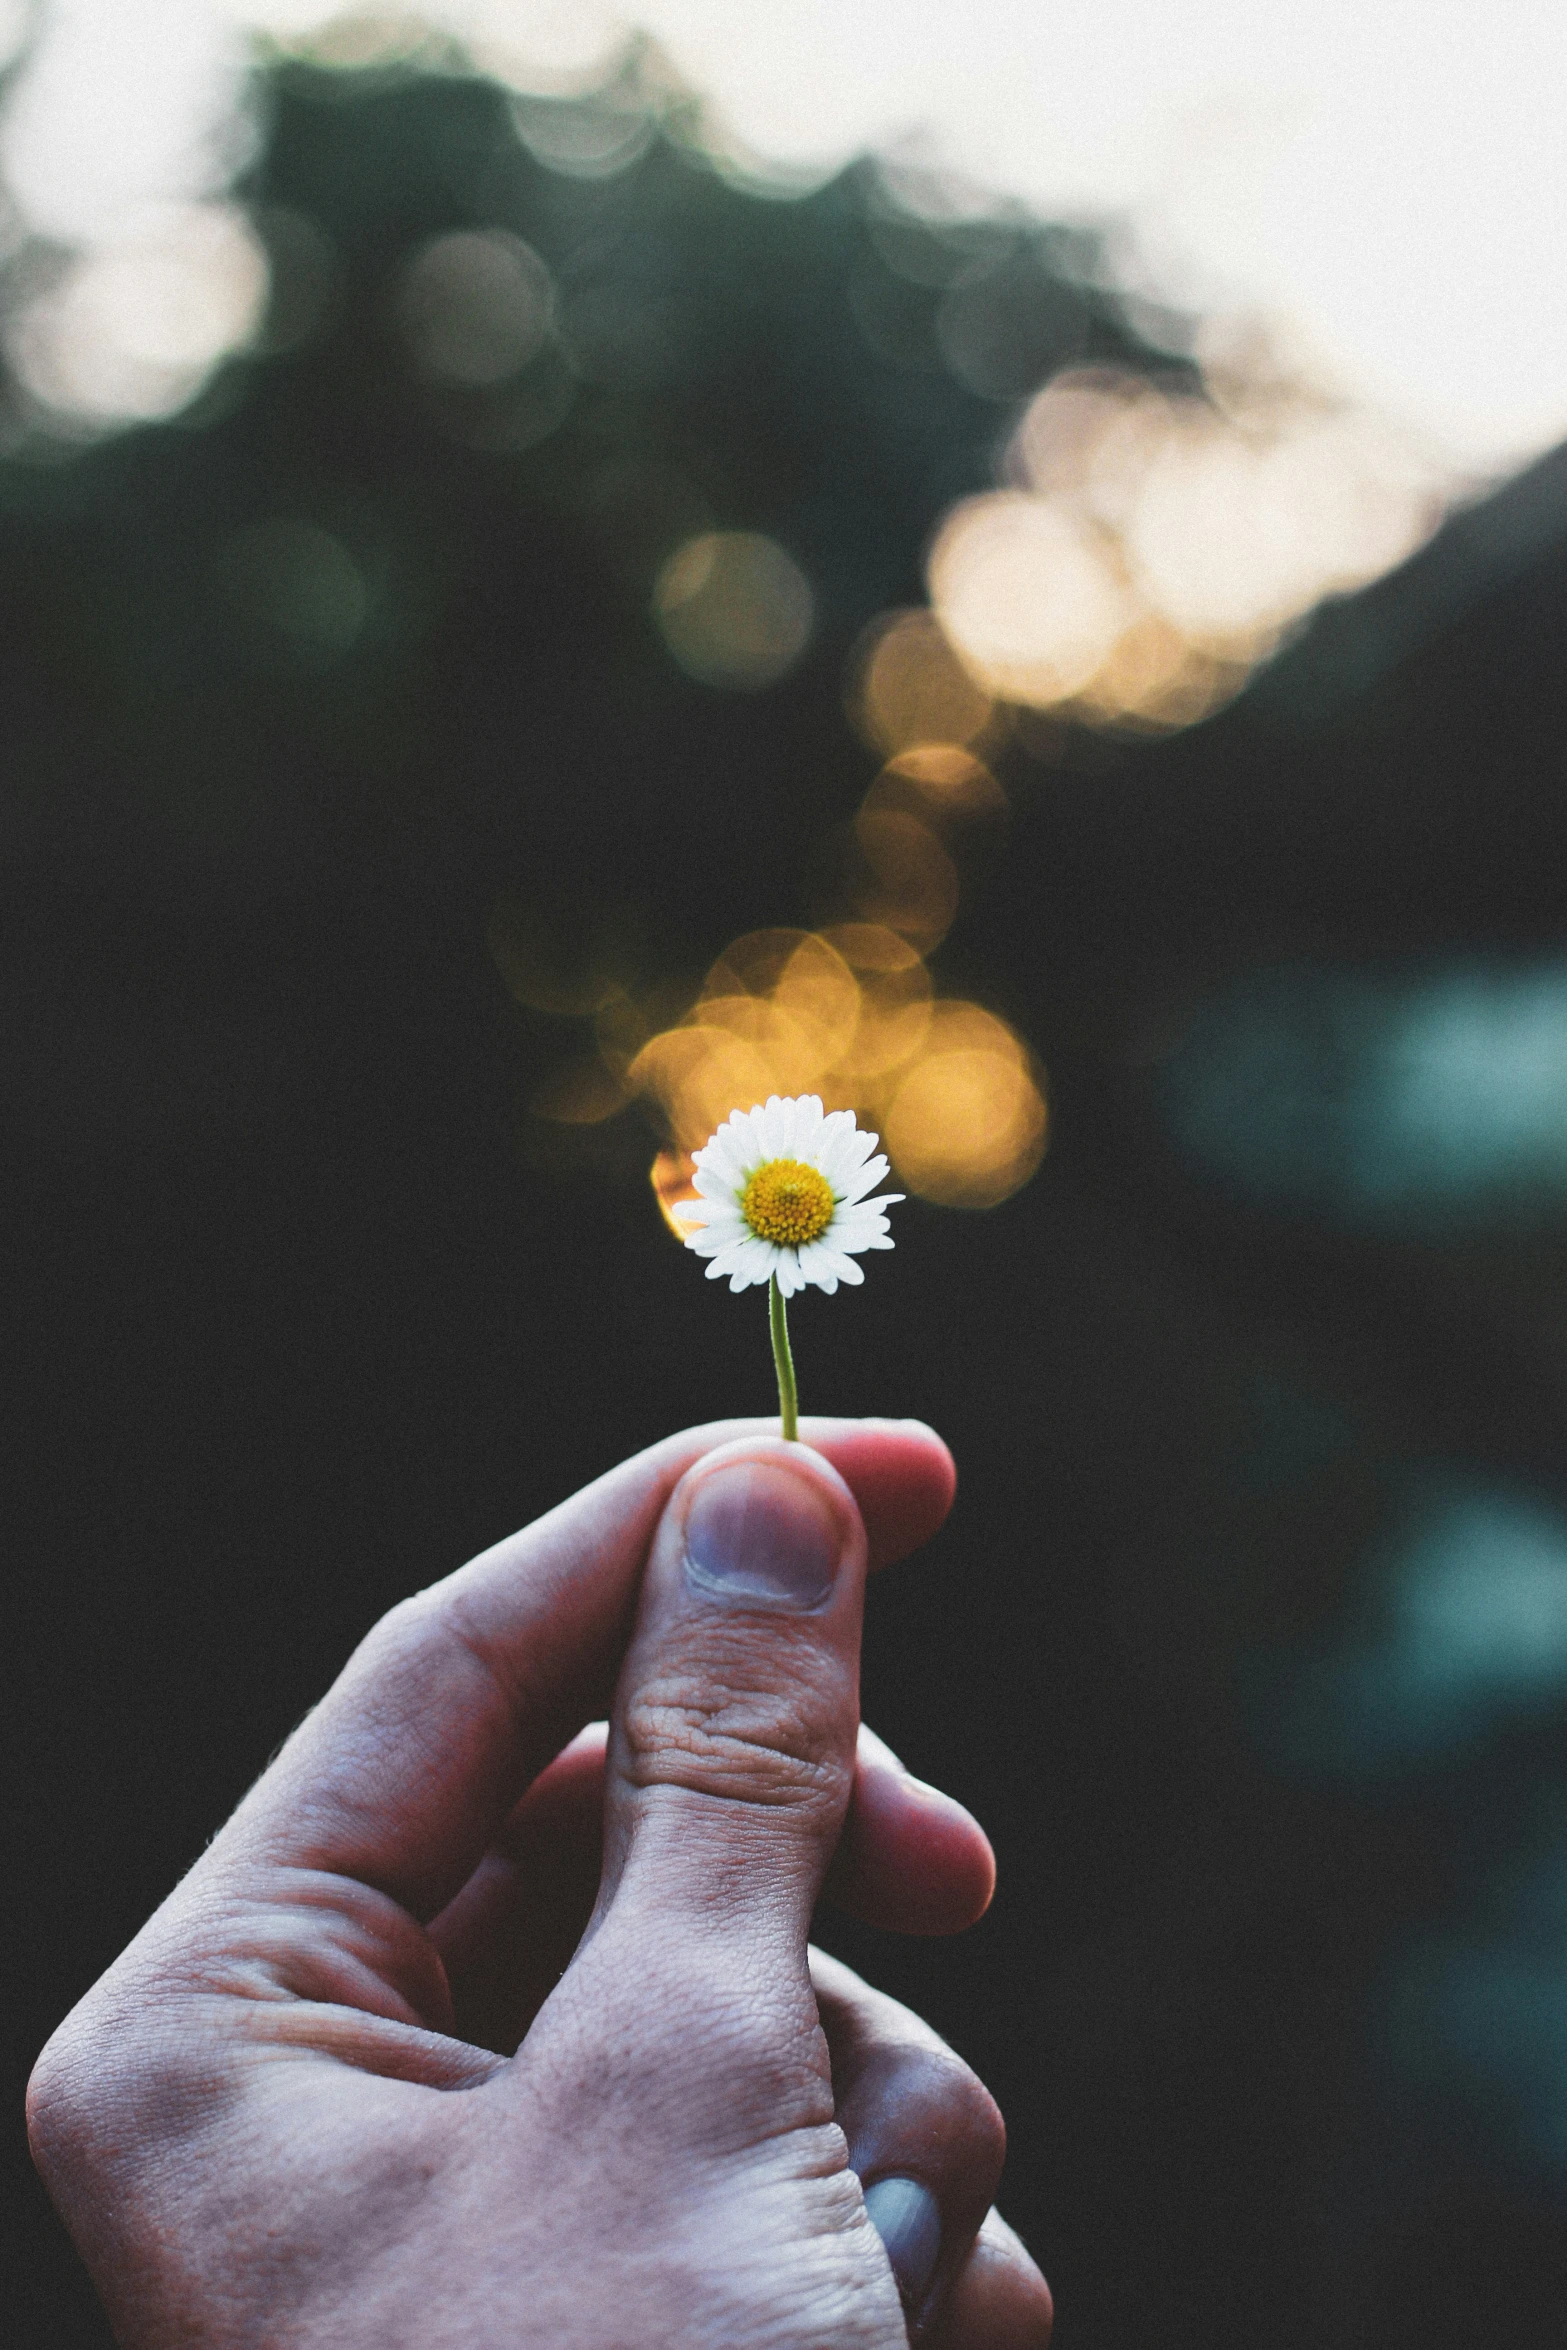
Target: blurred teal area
(1457, 1638)
(1472, 2022)
(1402, 1101)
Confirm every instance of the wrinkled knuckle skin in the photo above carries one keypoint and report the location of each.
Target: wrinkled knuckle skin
(77, 2097)
(49, 2100)
(749, 1746)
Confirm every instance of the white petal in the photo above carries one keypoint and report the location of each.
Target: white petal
(807, 1126)
(785, 1121)
(845, 1267)
(839, 1130)
(855, 1212)
(850, 1159)
(745, 1135)
(863, 1180)
(787, 1272)
(740, 1255)
(712, 1239)
(816, 1264)
(850, 1211)
(860, 1228)
(742, 1274)
(720, 1162)
(852, 1237)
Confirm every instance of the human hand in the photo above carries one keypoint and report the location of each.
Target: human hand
(296, 2110)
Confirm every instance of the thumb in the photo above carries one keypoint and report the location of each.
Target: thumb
(731, 1753)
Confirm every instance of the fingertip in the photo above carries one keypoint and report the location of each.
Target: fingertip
(899, 1471)
(999, 2297)
(912, 1859)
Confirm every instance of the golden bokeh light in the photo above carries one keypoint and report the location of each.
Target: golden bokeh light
(755, 963)
(1030, 597)
(911, 883)
(1155, 544)
(1156, 679)
(848, 1012)
(940, 782)
(734, 609)
(906, 687)
(696, 1074)
(673, 1179)
(850, 1015)
(966, 1127)
(895, 998)
(959, 1027)
(817, 988)
(1086, 437)
(790, 1050)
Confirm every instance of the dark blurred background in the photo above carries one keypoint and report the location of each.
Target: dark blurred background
(1248, 1637)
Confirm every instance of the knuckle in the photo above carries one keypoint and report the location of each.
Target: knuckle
(81, 2080)
(775, 1745)
(402, 1636)
(973, 2114)
(934, 2083)
(51, 2100)
(421, 1654)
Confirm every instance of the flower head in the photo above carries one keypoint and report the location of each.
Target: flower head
(783, 1193)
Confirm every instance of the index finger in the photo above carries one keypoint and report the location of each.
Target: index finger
(456, 1700)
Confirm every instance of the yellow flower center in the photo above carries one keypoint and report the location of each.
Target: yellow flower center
(788, 1203)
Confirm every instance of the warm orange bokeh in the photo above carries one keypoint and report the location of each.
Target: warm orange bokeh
(848, 1011)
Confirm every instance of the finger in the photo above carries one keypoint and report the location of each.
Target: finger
(911, 1861)
(508, 1936)
(732, 1736)
(924, 2133)
(402, 1777)
(997, 2301)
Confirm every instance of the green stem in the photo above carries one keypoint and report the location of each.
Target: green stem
(783, 1360)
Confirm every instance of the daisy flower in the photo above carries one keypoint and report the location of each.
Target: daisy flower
(783, 1199)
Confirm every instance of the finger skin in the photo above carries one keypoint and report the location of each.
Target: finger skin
(249, 2122)
(998, 2300)
(404, 1774)
(733, 1732)
(509, 1935)
(910, 1861)
(910, 2108)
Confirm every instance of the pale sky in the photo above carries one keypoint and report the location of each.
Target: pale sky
(1383, 184)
